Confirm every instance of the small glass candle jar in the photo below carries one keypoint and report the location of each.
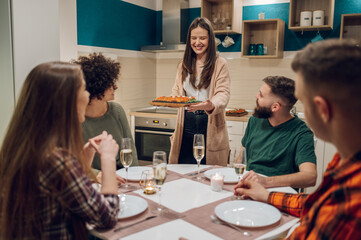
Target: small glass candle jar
(149, 189)
(146, 182)
(217, 180)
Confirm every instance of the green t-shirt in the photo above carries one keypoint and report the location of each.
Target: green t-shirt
(279, 150)
(115, 122)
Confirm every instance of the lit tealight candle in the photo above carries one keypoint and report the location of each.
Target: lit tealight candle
(217, 182)
(149, 189)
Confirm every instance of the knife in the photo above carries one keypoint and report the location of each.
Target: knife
(127, 226)
(201, 171)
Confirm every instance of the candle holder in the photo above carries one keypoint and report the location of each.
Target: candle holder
(146, 182)
(217, 181)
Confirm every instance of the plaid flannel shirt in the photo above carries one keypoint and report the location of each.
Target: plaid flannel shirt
(76, 199)
(334, 210)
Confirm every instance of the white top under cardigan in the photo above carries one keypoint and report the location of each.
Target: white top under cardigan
(199, 94)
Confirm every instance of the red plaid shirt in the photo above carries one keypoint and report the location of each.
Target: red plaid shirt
(77, 199)
(334, 210)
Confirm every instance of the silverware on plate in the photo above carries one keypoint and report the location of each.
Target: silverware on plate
(132, 224)
(216, 220)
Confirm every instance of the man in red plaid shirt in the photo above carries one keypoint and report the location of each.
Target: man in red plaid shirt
(329, 85)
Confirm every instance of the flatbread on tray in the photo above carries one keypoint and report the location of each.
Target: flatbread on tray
(170, 104)
(174, 101)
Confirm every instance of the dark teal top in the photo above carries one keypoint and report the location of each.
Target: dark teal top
(279, 150)
(115, 122)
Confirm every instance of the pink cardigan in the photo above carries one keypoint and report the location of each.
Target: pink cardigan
(217, 149)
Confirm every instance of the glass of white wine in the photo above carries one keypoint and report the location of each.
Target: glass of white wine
(241, 163)
(126, 156)
(198, 151)
(159, 172)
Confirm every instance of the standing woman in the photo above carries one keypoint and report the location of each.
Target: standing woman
(204, 75)
(100, 75)
(44, 167)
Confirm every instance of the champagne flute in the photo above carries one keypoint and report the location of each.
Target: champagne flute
(160, 173)
(241, 163)
(126, 156)
(198, 151)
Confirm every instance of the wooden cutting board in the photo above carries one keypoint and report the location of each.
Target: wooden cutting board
(236, 114)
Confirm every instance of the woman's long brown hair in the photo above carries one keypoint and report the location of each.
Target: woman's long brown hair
(190, 57)
(45, 119)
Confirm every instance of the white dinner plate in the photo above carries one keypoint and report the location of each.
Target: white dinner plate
(229, 174)
(134, 173)
(131, 205)
(246, 213)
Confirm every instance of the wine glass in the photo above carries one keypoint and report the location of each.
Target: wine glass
(198, 151)
(126, 156)
(241, 163)
(159, 172)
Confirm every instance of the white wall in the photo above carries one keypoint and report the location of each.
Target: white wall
(6, 67)
(35, 35)
(68, 30)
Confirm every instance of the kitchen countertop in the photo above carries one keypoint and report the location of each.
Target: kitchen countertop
(159, 115)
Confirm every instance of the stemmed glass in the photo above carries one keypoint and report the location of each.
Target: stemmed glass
(198, 151)
(160, 172)
(241, 163)
(126, 156)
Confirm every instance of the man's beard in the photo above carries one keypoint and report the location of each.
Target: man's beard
(262, 112)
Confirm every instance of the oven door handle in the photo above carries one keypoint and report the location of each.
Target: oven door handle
(154, 132)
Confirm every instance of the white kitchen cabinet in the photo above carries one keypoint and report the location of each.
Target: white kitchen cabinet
(319, 151)
(330, 151)
(324, 154)
(235, 134)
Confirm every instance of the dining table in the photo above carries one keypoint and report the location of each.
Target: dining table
(188, 205)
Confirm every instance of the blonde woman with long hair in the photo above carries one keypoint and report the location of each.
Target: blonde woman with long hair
(44, 166)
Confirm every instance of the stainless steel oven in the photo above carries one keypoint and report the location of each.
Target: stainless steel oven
(153, 134)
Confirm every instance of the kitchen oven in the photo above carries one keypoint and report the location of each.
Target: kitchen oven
(153, 134)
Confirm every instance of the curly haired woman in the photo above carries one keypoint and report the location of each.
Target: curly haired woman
(101, 74)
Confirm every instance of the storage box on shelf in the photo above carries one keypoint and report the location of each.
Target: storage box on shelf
(298, 6)
(269, 32)
(225, 15)
(351, 26)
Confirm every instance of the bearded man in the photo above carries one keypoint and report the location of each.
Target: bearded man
(279, 145)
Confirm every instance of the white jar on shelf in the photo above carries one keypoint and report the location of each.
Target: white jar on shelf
(306, 18)
(318, 18)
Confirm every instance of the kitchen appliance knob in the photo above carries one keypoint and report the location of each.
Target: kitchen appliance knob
(165, 124)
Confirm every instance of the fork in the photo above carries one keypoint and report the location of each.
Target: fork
(216, 220)
(129, 225)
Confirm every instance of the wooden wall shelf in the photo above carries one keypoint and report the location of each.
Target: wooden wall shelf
(297, 6)
(225, 15)
(351, 27)
(269, 32)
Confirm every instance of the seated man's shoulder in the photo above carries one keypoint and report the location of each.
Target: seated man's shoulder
(301, 125)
